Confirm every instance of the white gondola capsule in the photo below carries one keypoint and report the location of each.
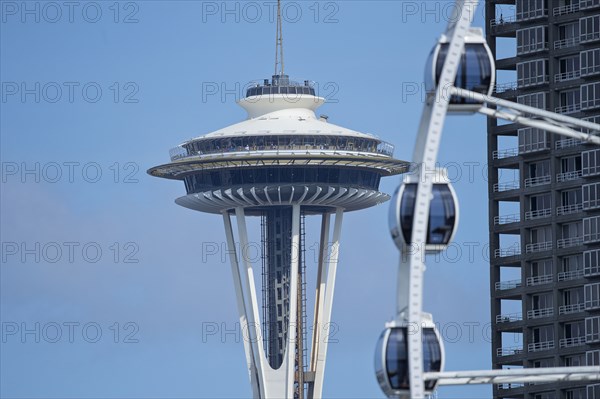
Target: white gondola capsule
(443, 213)
(391, 357)
(476, 72)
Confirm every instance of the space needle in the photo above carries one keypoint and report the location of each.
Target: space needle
(281, 164)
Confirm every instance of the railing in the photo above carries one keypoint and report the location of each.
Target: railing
(562, 10)
(502, 20)
(566, 143)
(566, 176)
(570, 275)
(501, 154)
(537, 181)
(532, 14)
(570, 42)
(507, 318)
(539, 280)
(504, 87)
(538, 214)
(562, 77)
(574, 308)
(570, 342)
(540, 346)
(593, 303)
(583, 4)
(506, 219)
(590, 104)
(568, 209)
(507, 285)
(569, 242)
(590, 271)
(589, 37)
(509, 351)
(593, 204)
(539, 313)
(510, 385)
(383, 148)
(510, 251)
(500, 187)
(538, 247)
(568, 109)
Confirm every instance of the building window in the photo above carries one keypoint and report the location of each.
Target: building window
(592, 329)
(591, 229)
(542, 363)
(539, 202)
(530, 9)
(592, 296)
(570, 164)
(576, 393)
(569, 101)
(572, 263)
(568, 35)
(591, 263)
(593, 119)
(531, 39)
(591, 195)
(574, 329)
(541, 301)
(592, 358)
(589, 27)
(571, 230)
(536, 100)
(541, 268)
(542, 334)
(570, 197)
(575, 360)
(590, 62)
(588, 3)
(590, 96)
(593, 391)
(590, 162)
(532, 139)
(532, 73)
(573, 296)
(568, 68)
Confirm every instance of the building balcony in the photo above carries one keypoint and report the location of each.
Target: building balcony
(562, 10)
(530, 82)
(506, 219)
(573, 308)
(534, 147)
(510, 385)
(509, 318)
(571, 342)
(590, 70)
(540, 313)
(569, 242)
(502, 20)
(532, 14)
(501, 187)
(564, 43)
(570, 275)
(567, 143)
(565, 76)
(509, 351)
(507, 285)
(507, 153)
(540, 346)
(538, 214)
(515, 250)
(568, 209)
(589, 205)
(538, 247)
(537, 181)
(505, 87)
(539, 280)
(531, 48)
(567, 176)
(568, 109)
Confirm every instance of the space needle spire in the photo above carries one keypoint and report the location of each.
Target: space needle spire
(279, 66)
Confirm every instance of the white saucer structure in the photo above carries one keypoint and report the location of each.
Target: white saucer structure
(282, 164)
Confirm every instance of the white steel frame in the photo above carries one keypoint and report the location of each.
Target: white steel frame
(410, 284)
(279, 383)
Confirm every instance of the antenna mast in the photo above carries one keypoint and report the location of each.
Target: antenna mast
(279, 42)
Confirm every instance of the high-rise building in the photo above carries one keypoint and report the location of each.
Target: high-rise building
(544, 195)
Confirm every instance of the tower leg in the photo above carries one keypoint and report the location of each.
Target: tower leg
(320, 351)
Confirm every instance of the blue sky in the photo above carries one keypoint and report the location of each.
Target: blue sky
(96, 250)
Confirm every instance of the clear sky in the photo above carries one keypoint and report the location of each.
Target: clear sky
(108, 289)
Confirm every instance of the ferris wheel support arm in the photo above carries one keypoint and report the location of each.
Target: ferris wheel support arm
(538, 375)
(425, 156)
(552, 122)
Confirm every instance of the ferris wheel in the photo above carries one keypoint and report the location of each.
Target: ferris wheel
(460, 78)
